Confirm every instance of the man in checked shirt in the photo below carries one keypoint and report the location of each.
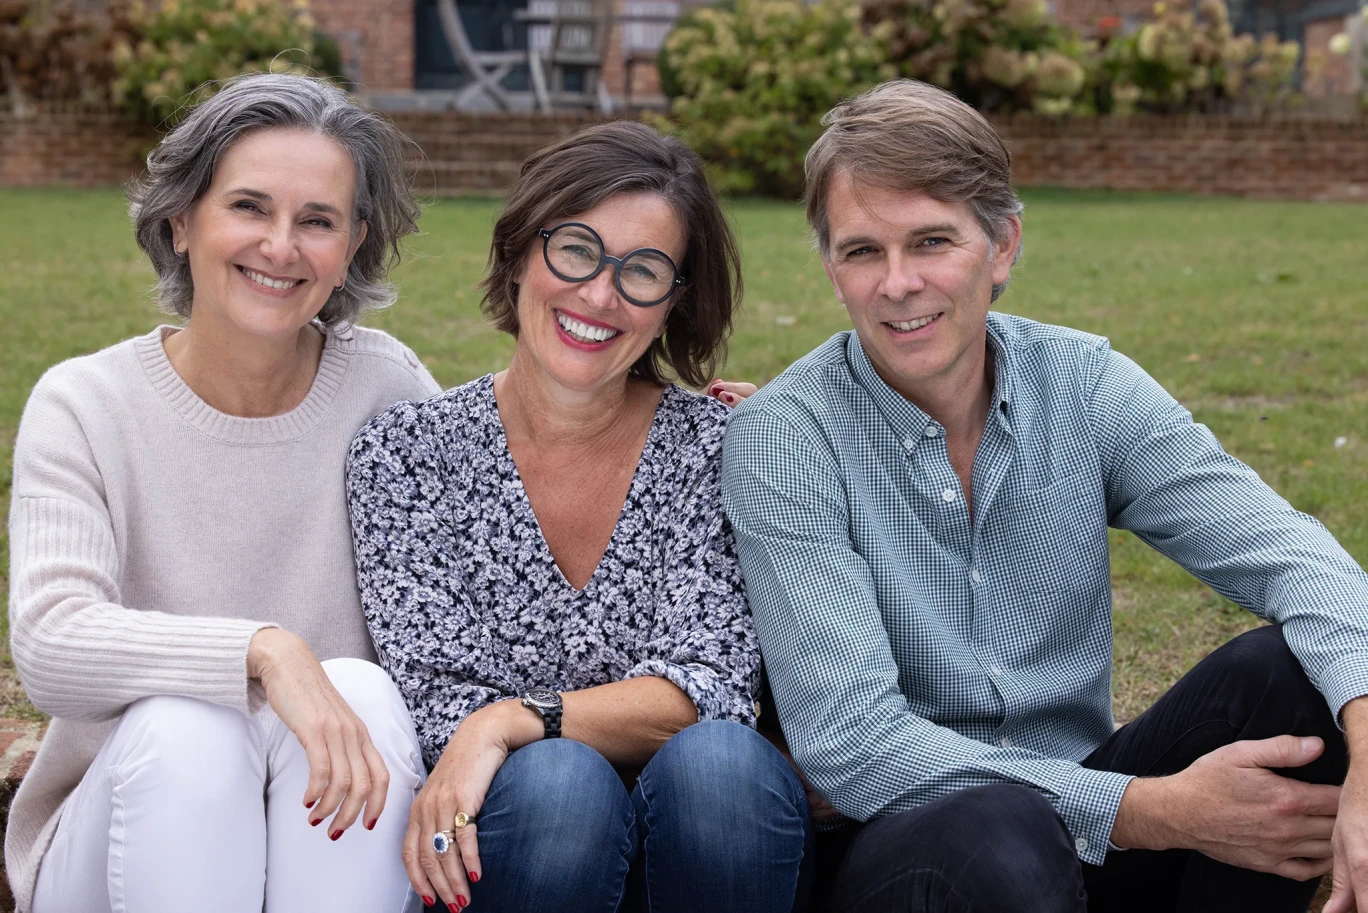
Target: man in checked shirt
(921, 509)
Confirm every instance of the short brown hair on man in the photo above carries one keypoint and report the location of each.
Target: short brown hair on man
(571, 177)
(909, 136)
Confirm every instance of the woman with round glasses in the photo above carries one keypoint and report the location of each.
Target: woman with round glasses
(549, 577)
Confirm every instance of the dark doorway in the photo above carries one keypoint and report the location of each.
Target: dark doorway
(490, 26)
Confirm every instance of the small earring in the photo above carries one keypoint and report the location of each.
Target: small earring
(338, 288)
(181, 251)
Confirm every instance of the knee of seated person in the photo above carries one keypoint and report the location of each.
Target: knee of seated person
(185, 745)
(1259, 664)
(1001, 825)
(1008, 844)
(366, 688)
(713, 746)
(715, 774)
(558, 791)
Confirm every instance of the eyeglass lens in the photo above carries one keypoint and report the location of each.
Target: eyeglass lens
(575, 253)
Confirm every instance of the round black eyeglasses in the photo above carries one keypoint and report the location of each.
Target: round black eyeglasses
(574, 252)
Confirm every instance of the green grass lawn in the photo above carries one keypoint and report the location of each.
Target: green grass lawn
(1253, 314)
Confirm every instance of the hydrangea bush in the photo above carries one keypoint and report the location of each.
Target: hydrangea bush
(998, 55)
(1183, 60)
(752, 81)
(176, 49)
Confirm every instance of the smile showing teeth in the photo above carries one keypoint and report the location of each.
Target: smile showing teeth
(267, 281)
(906, 326)
(583, 332)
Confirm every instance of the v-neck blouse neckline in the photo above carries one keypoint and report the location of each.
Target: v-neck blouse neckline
(640, 477)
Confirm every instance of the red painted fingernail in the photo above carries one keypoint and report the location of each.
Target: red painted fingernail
(370, 825)
(460, 899)
(335, 834)
(316, 822)
(716, 389)
(729, 397)
(311, 804)
(453, 907)
(474, 877)
(428, 901)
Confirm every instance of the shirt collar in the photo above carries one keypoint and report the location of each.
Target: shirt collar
(902, 415)
(999, 344)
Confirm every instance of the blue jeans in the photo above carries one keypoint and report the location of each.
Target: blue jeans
(718, 821)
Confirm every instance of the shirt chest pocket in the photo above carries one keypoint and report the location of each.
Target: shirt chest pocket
(1052, 541)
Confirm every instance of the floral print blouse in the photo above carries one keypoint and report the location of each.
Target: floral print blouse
(467, 606)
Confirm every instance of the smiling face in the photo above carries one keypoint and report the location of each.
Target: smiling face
(273, 235)
(584, 335)
(916, 275)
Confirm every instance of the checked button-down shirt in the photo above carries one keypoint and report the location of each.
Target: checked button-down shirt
(912, 652)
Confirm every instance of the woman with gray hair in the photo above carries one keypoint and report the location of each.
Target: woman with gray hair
(184, 600)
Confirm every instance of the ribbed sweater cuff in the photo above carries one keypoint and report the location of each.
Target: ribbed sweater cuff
(80, 654)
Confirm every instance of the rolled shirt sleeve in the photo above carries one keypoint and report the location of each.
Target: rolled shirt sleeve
(1169, 481)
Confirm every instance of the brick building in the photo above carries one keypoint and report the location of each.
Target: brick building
(395, 47)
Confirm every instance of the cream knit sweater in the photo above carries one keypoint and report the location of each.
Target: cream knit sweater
(151, 536)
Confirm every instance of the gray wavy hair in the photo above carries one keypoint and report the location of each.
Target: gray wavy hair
(181, 168)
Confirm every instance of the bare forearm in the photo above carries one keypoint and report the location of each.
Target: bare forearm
(1141, 821)
(626, 722)
(1354, 717)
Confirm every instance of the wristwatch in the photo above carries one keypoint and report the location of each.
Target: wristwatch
(548, 704)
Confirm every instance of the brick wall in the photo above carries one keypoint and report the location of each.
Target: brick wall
(478, 152)
(1275, 157)
(376, 40)
(1334, 80)
(70, 147)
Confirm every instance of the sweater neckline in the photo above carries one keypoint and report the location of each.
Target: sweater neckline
(236, 429)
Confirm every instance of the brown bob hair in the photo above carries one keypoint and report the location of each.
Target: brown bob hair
(571, 177)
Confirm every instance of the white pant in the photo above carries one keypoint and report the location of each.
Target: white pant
(193, 806)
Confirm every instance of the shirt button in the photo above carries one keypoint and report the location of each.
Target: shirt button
(996, 670)
(411, 358)
(948, 495)
(1005, 741)
(976, 576)
(931, 431)
(909, 444)
(1081, 844)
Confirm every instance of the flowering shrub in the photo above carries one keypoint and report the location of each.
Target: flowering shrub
(1186, 61)
(998, 55)
(751, 83)
(178, 47)
(58, 54)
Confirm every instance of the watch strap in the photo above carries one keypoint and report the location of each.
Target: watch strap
(551, 721)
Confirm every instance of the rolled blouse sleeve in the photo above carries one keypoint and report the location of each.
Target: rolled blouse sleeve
(704, 640)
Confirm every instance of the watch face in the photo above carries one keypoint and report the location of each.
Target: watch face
(543, 697)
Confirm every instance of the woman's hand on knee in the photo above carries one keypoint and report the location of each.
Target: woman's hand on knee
(449, 803)
(346, 773)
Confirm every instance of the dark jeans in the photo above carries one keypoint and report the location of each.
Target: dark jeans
(718, 821)
(1003, 848)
